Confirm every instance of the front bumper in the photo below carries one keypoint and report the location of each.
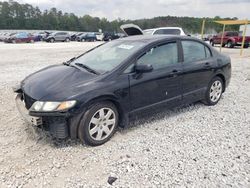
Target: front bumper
(55, 124)
(36, 121)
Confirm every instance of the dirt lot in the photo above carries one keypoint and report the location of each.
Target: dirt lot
(196, 146)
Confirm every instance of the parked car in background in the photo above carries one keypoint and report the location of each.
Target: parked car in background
(230, 39)
(58, 36)
(108, 36)
(40, 36)
(87, 37)
(73, 36)
(165, 31)
(89, 96)
(3, 36)
(132, 29)
(99, 36)
(22, 37)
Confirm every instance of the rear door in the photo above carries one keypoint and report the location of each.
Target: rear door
(198, 67)
(162, 86)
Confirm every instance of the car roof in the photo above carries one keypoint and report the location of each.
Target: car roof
(154, 38)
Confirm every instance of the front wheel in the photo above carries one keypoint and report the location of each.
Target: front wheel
(98, 124)
(52, 40)
(212, 43)
(214, 91)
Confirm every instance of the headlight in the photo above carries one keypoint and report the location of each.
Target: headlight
(51, 106)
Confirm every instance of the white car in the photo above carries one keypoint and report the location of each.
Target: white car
(131, 29)
(99, 36)
(165, 31)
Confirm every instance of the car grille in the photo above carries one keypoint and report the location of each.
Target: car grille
(28, 101)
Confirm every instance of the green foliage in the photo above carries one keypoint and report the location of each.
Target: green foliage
(14, 15)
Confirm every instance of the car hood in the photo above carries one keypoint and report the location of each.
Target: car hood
(57, 83)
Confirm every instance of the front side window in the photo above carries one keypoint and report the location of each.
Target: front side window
(160, 56)
(193, 51)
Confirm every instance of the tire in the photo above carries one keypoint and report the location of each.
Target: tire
(83, 40)
(52, 40)
(223, 45)
(214, 91)
(246, 46)
(212, 43)
(67, 40)
(230, 44)
(96, 129)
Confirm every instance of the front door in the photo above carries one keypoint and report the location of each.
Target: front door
(163, 84)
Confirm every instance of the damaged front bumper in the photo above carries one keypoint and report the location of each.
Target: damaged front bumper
(36, 121)
(55, 123)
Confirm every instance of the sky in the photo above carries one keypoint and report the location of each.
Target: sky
(137, 9)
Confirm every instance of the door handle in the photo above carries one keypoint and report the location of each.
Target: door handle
(174, 73)
(207, 65)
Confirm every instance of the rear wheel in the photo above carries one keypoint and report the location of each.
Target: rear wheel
(214, 91)
(67, 40)
(98, 124)
(246, 45)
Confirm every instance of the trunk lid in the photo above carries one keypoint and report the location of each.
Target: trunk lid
(131, 29)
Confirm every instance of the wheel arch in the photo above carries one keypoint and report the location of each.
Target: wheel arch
(222, 77)
(74, 121)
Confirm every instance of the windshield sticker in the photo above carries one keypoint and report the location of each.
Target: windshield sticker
(124, 46)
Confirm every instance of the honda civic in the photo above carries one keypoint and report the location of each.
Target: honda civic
(90, 96)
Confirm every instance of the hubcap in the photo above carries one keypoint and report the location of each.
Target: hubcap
(215, 91)
(102, 124)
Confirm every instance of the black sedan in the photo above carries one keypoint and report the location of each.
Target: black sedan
(89, 96)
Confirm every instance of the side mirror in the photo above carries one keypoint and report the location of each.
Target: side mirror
(143, 68)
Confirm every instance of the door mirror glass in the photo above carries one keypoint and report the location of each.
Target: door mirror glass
(142, 68)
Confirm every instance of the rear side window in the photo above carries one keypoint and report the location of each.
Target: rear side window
(193, 51)
(160, 56)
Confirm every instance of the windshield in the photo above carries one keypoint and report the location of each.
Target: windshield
(108, 56)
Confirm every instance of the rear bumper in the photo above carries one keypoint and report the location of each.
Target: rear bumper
(55, 124)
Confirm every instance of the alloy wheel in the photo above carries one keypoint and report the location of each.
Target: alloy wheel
(215, 91)
(102, 124)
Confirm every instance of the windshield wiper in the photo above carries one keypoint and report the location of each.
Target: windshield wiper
(87, 68)
(69, 61)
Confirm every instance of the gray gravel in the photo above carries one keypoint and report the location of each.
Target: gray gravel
(195, 146)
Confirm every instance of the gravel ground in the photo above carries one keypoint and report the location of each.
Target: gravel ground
(195, 146)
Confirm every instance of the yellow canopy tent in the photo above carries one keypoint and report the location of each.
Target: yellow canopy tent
(230, 22)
